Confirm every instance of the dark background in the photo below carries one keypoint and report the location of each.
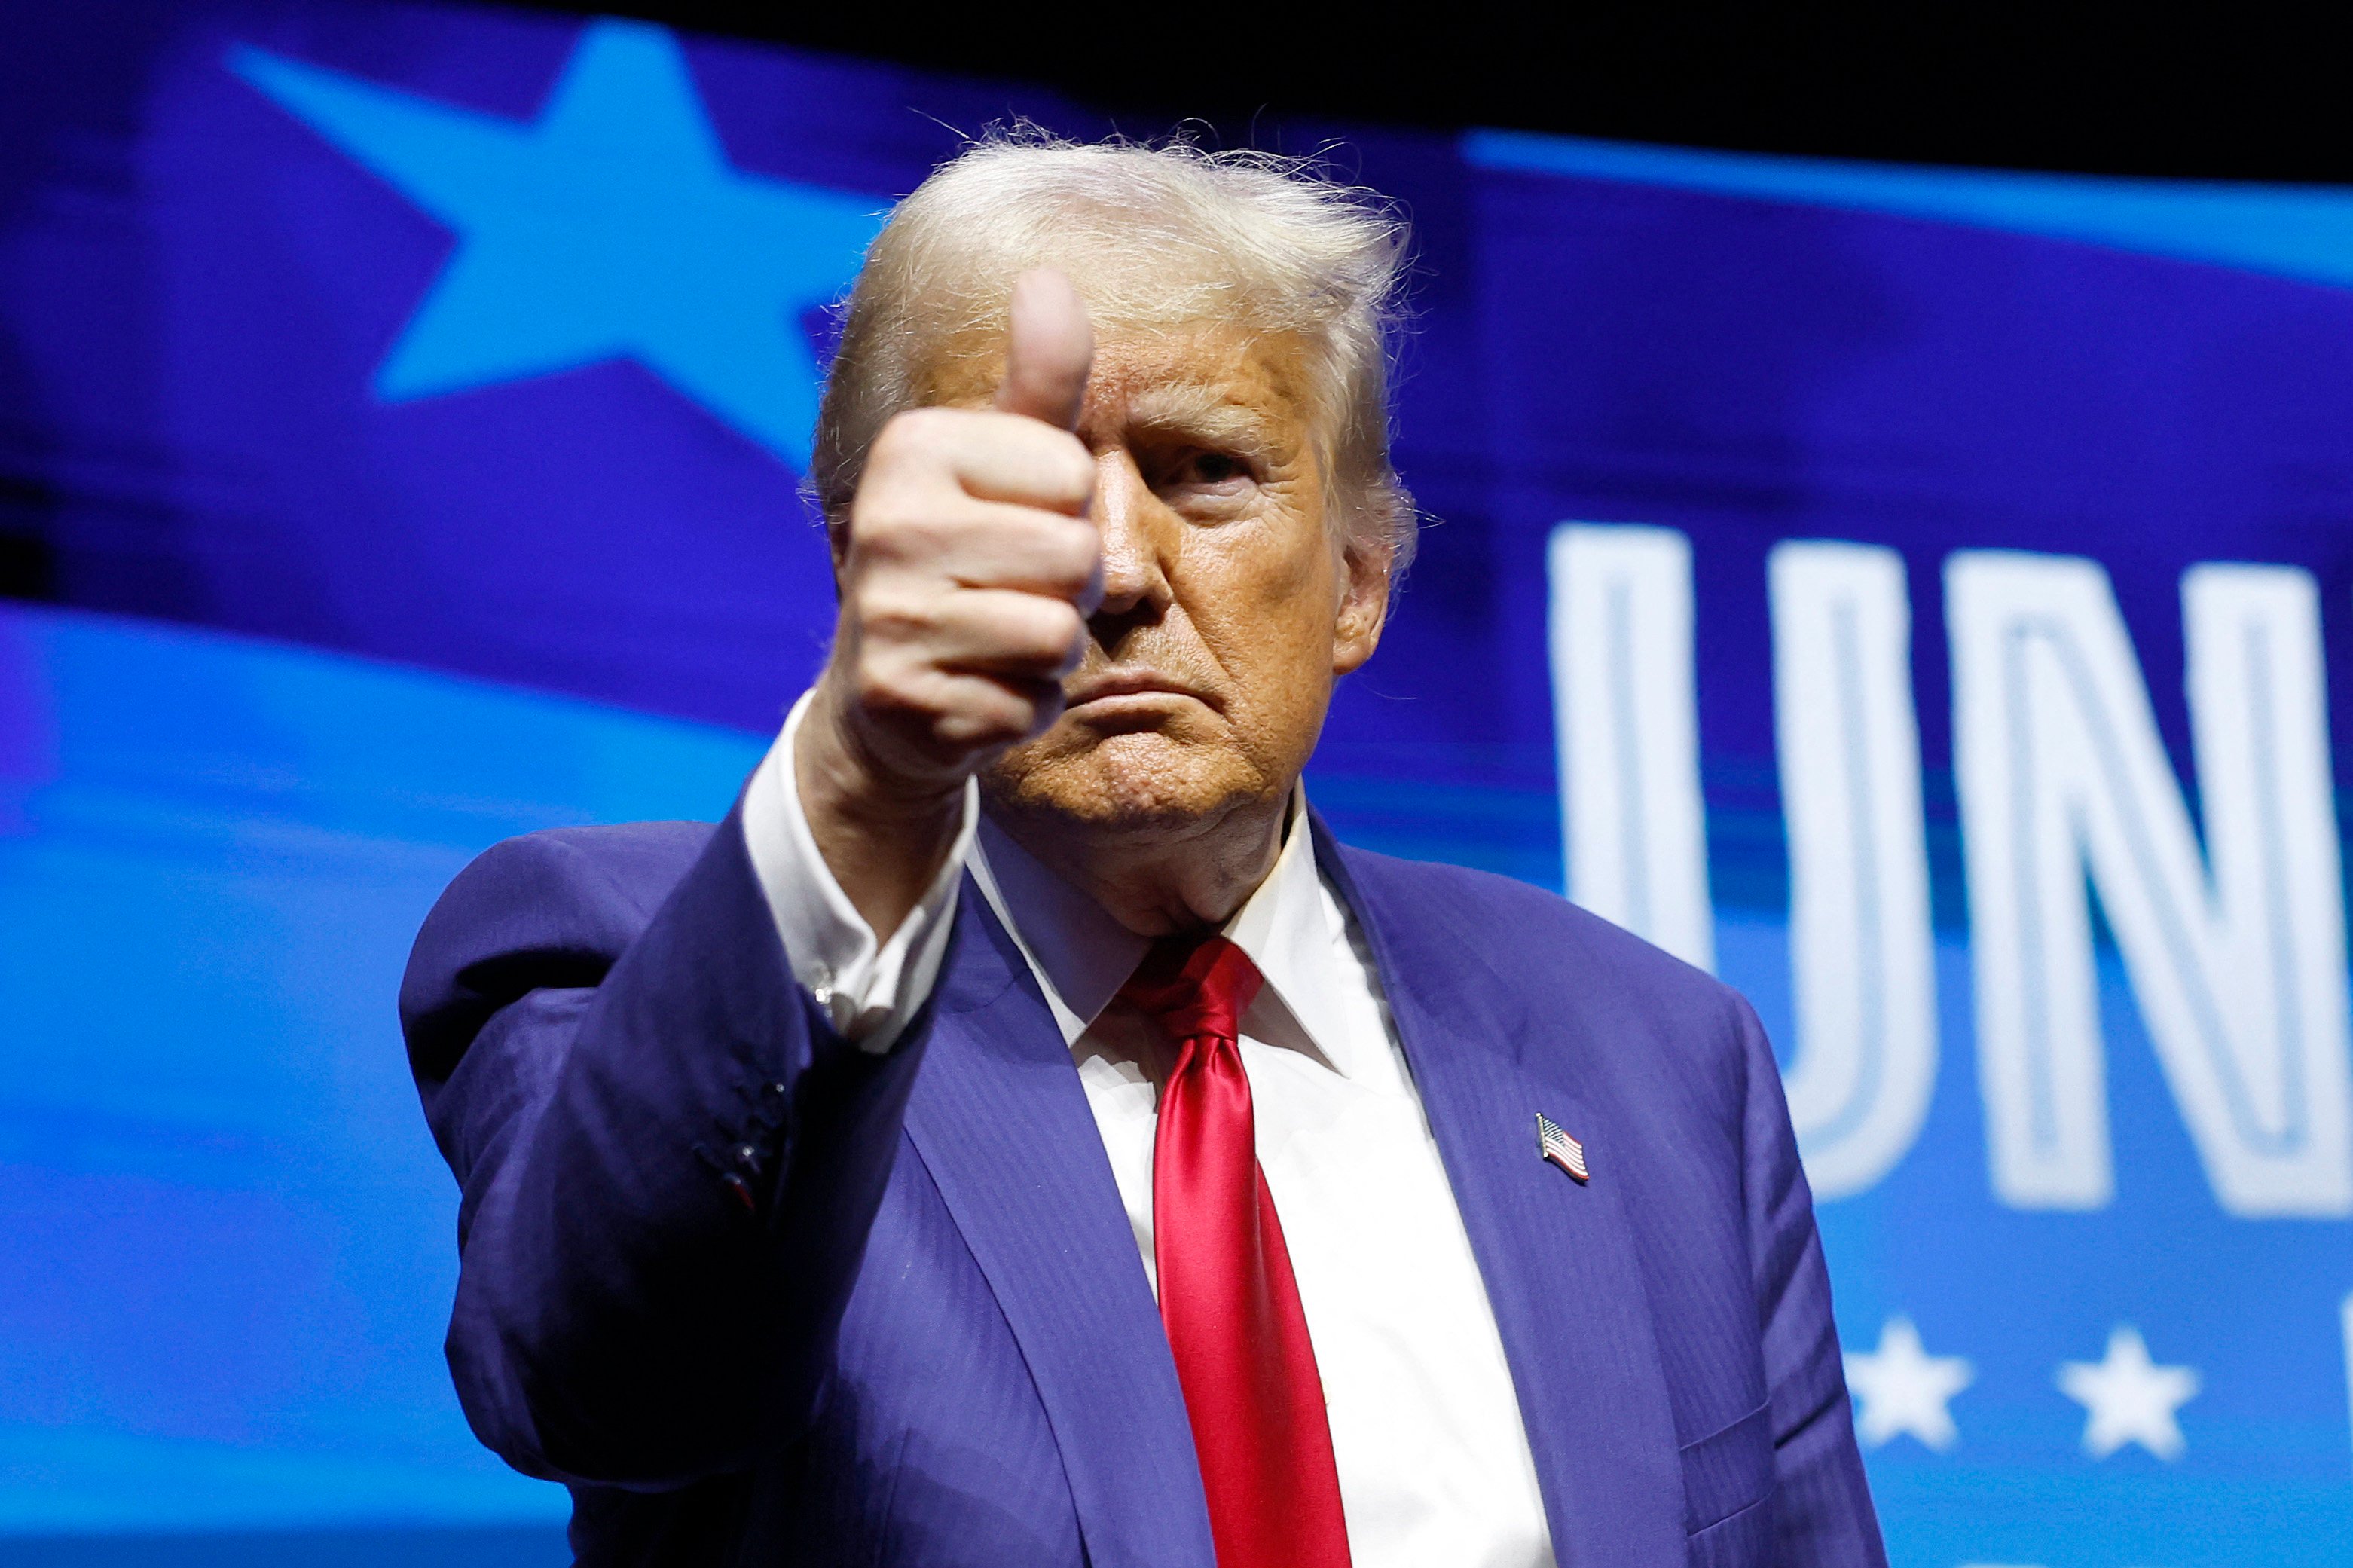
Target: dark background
(2237, 92)
(2260, 92)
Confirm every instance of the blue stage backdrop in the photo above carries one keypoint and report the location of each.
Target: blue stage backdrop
(1924, 597)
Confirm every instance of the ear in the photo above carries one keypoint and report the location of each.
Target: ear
(1364, 604)
(837, 548)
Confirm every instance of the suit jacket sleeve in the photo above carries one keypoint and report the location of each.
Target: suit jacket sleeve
(669, 1159)
(1823, 1502)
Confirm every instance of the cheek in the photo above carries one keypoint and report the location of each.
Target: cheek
(1267, 604)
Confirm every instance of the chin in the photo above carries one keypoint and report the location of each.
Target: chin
(1146, 782)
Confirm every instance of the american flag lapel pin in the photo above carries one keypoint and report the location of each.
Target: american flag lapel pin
(1560, 1149)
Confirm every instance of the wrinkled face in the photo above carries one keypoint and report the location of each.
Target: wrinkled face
(1230, 604)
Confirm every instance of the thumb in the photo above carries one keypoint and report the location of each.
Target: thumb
(1048, 348)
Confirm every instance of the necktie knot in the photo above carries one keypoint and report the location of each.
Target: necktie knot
(1194, 986)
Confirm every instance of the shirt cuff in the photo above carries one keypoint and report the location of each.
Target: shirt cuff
(870, 988)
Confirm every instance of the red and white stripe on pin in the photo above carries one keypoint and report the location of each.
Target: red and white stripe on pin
(1558, 1147)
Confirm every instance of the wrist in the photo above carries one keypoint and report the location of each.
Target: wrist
(840, 773)
(882, 837)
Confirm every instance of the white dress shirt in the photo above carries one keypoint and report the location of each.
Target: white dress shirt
(1434, 1464)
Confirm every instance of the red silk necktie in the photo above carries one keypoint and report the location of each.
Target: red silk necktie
(1227, 1294)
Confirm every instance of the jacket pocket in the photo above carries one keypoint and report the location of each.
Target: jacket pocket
(1728, 1471)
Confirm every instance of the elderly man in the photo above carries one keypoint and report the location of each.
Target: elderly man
(1019, 1134)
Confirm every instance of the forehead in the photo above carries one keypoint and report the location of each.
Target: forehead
(1204, 377)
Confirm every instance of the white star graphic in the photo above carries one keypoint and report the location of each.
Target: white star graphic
(1905, 1389)
(2130, 1399)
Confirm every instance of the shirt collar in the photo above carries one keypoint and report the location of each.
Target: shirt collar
(1081, 956)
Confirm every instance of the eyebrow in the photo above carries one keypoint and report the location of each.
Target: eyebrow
(1189, 409)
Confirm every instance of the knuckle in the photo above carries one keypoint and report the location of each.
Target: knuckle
(1053, 466)
(910, 442)
(970, 730)
(909, 428)
(886, 618)
(882, 689)
(1052, 628)
(1064, 468)
(893, 517)
(1075, 557)
(1053, 554)
(896, 536)
(891, 442)
(1010, 634)
(874, 516)
(983, 714)
(1078, 469)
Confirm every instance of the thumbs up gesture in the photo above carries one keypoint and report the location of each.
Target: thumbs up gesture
(969, 571)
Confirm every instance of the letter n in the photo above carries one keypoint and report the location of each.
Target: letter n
(2240, 972)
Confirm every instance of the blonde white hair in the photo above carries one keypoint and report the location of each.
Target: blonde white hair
(1156, 235)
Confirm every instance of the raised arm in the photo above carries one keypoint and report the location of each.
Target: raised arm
(636, 1046)
(968, 570)
(667, 1156)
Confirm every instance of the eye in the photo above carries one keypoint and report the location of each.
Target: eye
(1200, 467)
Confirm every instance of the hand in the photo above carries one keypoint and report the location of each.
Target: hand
(969, 571)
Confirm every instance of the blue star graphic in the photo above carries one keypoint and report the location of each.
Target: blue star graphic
(610, 227)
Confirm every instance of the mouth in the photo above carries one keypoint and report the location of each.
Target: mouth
(1136, 690)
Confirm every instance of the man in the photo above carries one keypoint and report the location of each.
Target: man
(1019, 1133)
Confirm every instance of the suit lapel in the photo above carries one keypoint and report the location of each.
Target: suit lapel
(1001, 1123)
(1558, 1258)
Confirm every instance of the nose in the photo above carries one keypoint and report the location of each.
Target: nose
(1136, 533)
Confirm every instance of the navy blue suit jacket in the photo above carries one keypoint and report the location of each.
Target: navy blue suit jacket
(762, 1298)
